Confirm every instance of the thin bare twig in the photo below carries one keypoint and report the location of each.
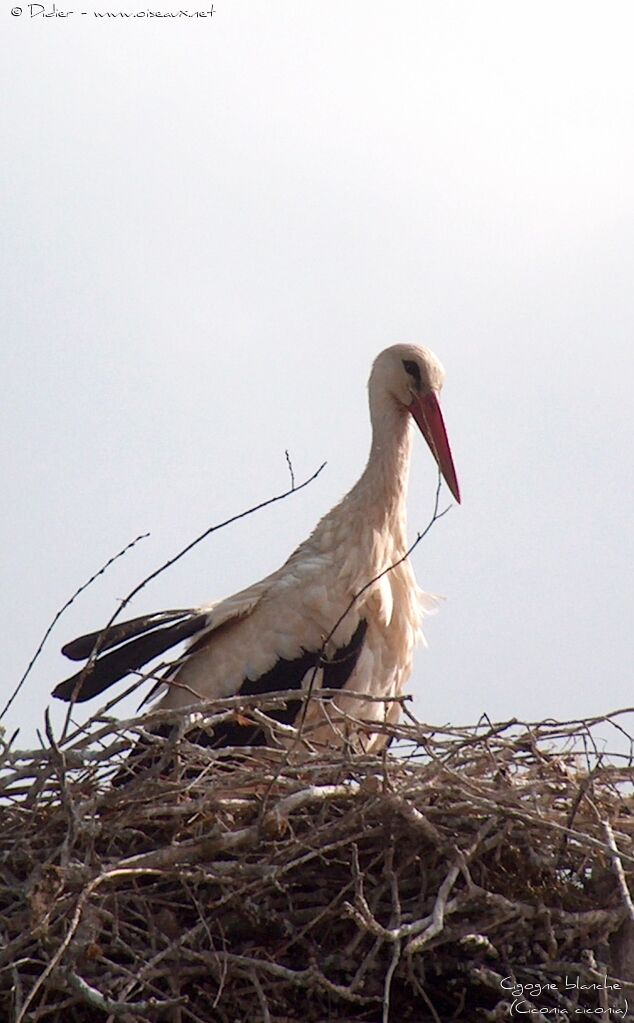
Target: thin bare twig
(58, 615)
(290, 469)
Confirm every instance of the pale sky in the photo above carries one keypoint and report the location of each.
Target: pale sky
(210, 229)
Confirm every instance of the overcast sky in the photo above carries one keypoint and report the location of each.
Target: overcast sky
(211, 227)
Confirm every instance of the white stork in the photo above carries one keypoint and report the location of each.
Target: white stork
(278, 634)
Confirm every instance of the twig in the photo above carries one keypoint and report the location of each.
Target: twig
(264, 1005)
(440, 905)
(290, 469)
(94, 998)
(61, 611)
(193, 852)
(394, 922)
(618, 868)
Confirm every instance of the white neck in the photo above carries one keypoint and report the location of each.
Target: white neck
(374, 510)
(381, 491)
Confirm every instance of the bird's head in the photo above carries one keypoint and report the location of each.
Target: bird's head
(413, 377)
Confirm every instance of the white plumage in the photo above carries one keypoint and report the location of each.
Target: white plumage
(278, 634)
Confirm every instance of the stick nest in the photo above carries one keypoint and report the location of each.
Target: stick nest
(464, 873)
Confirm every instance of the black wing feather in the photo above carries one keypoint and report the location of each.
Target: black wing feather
(283, 676)
(339, 667)
(129, 657)
(81, 648)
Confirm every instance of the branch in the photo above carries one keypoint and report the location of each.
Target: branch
(290, 469)
(272, 824)
(618, 868)
(98, 1001)
(61, 611)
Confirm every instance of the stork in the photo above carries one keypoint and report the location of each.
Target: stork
(315, 622)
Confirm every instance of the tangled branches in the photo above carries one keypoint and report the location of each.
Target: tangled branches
(470, 872)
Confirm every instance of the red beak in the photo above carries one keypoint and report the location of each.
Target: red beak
(426, 412)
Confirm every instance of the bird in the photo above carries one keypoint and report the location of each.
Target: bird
(343, 613)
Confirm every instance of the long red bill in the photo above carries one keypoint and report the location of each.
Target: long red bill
(426, 412)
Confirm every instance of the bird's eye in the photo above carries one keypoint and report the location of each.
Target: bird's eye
(414, 371)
